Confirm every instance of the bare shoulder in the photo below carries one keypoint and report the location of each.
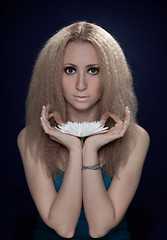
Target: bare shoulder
(21, 139)
(21, 136)
(140, 146)
(137, 155)
(26, 154)
(142, 135)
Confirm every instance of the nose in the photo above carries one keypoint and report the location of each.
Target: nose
(81, 83)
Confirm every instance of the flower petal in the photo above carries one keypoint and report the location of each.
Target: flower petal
(83, 129)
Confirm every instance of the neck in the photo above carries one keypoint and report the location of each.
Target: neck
(82, 116)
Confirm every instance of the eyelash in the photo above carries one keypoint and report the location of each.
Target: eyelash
(96, 69)
(69, 68)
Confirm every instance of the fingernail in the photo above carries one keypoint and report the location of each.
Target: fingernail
(43, 106)
(41, 118)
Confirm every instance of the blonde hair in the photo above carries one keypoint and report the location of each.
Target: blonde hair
(45, 87)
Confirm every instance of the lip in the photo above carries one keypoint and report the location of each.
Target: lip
(81, 98)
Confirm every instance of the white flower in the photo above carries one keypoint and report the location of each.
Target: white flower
(83, 129)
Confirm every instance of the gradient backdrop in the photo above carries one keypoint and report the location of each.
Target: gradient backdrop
(140, 28)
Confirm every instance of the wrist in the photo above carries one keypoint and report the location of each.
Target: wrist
(75, 147)
(75, 158)
(91, 167)
(90, 145)
(76, 151)
(90, 156)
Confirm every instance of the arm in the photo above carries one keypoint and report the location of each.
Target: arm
(61, 210)
(98, 207)
(105, 209)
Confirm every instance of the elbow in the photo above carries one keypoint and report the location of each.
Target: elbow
(63, 230)
(65, 234)
(97, 233)
(100, 231)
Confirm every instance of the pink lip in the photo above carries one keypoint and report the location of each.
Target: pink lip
(81, 98)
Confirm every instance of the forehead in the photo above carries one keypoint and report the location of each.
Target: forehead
(80, 51)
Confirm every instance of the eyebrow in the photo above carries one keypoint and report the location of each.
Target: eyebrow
(89, 65)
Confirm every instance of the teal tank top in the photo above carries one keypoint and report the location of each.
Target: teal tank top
(43, 232)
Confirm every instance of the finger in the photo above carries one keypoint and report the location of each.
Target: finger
(119, 126)
(47, 110)
(57, 118)
(46, 126)
(108, 115)
(122, 124)
(127, 114)
(115, 118)
(50, 115)
(116, 129)
(43, 124)
(123, 131)
(126, 121)
(125, 126)
(43, 112)
(104, 118)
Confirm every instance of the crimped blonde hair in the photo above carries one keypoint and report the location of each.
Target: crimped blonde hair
(45, 87)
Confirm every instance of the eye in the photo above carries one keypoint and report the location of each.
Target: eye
(70, 70)
(93, 70)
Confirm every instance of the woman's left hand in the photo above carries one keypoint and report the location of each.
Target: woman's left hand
(95, 142)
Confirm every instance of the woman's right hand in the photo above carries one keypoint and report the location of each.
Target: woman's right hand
(69, 141)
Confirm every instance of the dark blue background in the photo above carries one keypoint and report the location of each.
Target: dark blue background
(140, 28)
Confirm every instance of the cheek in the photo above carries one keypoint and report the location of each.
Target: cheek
(65, 86)
(98, 88)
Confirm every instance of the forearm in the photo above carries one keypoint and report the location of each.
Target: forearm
(97, 204)
(66, 207)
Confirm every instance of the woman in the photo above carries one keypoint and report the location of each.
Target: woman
(81, 75)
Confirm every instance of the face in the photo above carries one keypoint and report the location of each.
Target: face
(81, 81)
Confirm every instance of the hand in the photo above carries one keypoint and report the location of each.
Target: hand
(69, 141)
(97, 141)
